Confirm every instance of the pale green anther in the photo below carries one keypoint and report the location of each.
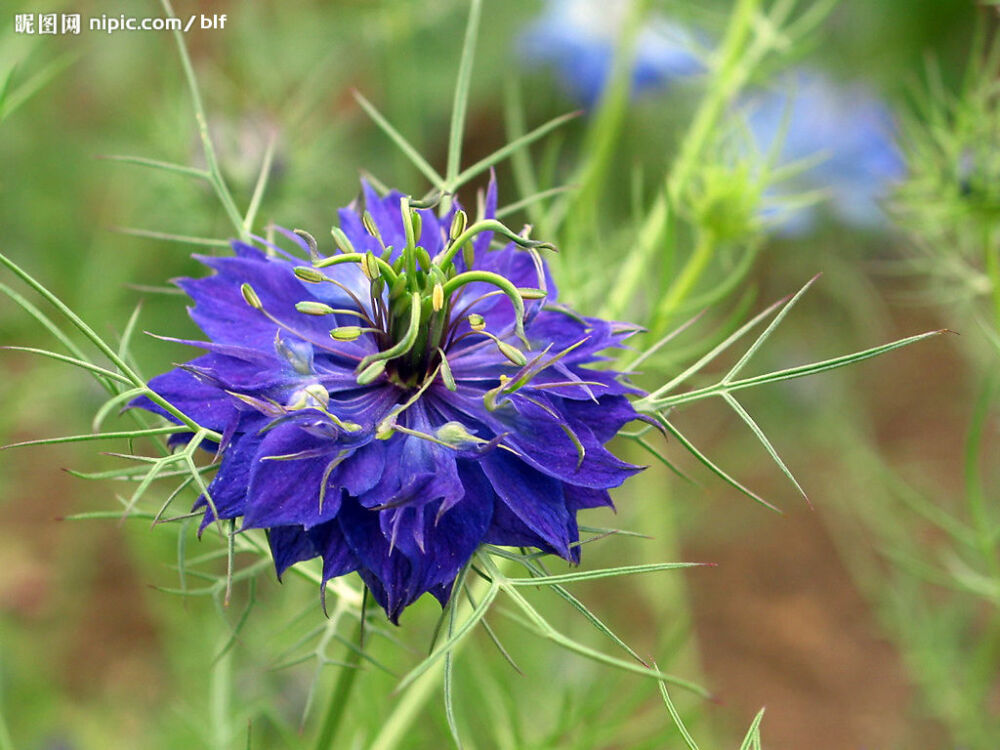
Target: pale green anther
(385, 430)
(318, 392)
(346, 333)
(458, 224)
(446, 374)
(310, 307)
(370, 226)
(527, 293)
(370, 373)
(370, 266)
(512, 353)
(310, 242)
(417, 225)
(437, 297)
(342, 241)
(408, 228)
(309, 274)
(477, 321)
(455, 435)
(250, 296)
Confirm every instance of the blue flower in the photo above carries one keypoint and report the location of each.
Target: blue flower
(579, 38)
(392, 407)
(845, 126)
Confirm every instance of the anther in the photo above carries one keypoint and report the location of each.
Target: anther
(250, 296)
(310, 307)
(341, 240)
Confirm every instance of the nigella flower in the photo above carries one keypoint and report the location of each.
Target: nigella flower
(847, 128)
(579, 38)
(392, 407)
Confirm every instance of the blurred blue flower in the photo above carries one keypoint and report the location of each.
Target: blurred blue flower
(847, 128)
(393, 414)
(579, 38)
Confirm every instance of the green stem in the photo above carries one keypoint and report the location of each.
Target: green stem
(219, 700)
(217, 180)
(734, 69)
(412, 702)
(339, 697)
(97, 341)
(606, 125)
(685, 281)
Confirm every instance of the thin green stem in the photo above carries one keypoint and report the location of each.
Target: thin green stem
(978, 512)
(340, 696)
(412, 702)
(685, 282)
(105, 349)
(216, 178)
(460, 106)
(220, 695)
(734, 70)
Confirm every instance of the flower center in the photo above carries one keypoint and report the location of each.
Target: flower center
(418, 307)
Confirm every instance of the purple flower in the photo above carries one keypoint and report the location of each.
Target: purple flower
(392, 407)
(579, 38)
(844, 126)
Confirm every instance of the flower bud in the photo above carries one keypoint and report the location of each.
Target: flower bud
(437, 297)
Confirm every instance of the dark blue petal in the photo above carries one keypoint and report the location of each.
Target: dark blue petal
(287, 492)
(289, 545)
(329, 541)
(228, 488)
(203, 401)
(535, 499)
(396, 579)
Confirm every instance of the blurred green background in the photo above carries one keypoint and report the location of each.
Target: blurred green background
(806, 613)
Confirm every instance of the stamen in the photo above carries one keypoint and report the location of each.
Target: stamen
(342, 241)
